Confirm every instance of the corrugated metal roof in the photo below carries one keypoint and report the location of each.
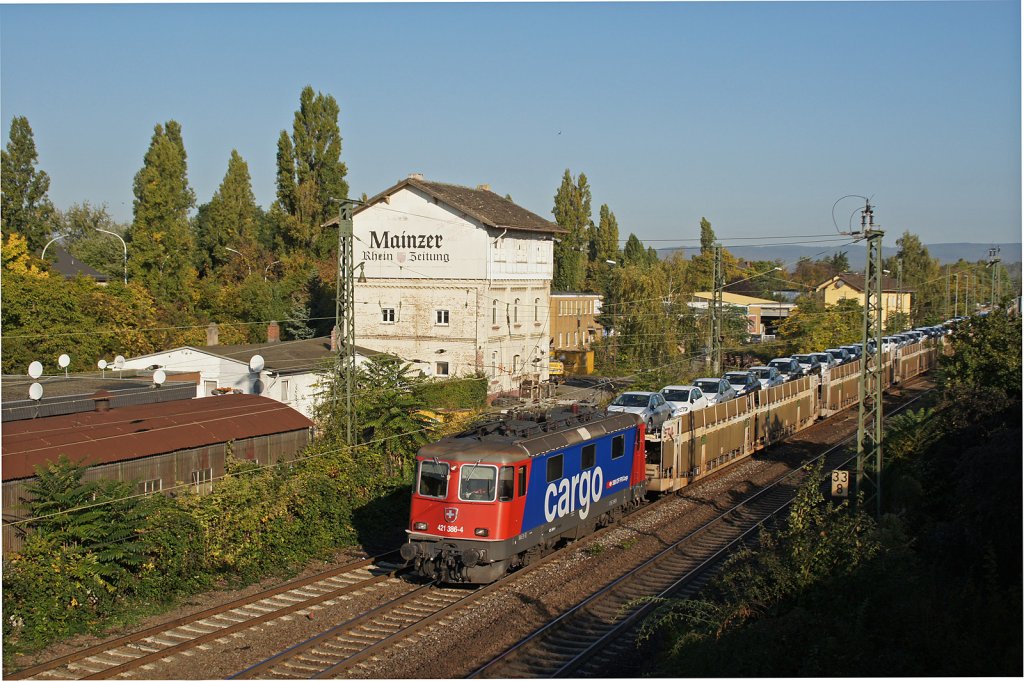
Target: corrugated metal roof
(63, 396)
(146, 430)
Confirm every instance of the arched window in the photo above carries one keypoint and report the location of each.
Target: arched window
(536, 309)
(494, 312)
(515, 312)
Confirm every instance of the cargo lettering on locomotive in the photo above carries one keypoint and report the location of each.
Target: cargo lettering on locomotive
(568, 494)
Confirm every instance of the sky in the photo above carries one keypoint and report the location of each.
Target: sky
(758, 116)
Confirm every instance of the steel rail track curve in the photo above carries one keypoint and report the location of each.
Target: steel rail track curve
(588, 639)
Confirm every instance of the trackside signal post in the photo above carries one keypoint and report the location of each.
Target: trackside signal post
(344, 317)
(869, 418)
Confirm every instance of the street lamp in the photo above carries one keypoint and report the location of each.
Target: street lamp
(267, 268)
(246, 260)
(124, 246)
(42, 256)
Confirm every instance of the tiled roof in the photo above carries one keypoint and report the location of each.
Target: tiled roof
(71, 268)
(482, 205)
(134, 432)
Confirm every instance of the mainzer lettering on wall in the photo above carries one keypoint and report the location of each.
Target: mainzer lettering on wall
(388, 241)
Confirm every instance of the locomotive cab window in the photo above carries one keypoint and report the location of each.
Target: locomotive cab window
(433, 479)
(588, 457)
(618, 446)
(506, 483)
(555, 468)
(478, 483)
(522, 481)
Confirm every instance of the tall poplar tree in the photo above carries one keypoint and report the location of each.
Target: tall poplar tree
(310, 174)
(161, 243)
(572, 213)
(24, 205)
(230, 220)
(606, 237)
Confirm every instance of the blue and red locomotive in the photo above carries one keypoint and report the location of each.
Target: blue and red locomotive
(503, 493)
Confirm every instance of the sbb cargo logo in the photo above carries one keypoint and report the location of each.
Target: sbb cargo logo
(577, 492)
(612, 483)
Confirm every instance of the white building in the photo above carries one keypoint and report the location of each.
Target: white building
(457, 281)
(289, 373)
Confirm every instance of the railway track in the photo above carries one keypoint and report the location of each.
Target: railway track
(593, 638)
(353, 647)
(150, 645)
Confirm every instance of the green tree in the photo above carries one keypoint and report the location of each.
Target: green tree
(24, 205)
(572, 213)
(634, 252)
(839, 262)
(606, 237)
(702, 265)
(231, 220)
(310, 174)
(814, 326)
(985, 355)
(643, 316)
(80, 224)
(922, 276)
(160, 238)
(103, 517)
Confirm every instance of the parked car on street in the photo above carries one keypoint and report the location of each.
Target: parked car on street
(768, 377)
(717, 390)
(788, 367)
(744, 382)
(684, 398)
(809, 364)
(651, 407)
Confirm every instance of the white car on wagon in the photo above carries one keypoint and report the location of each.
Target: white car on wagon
(684, 398)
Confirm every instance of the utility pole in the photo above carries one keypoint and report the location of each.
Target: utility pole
(956, 293)
(899, 295)
(945, 310)
(869, 417)
(345, 316)
(993, 263)
(716, 312)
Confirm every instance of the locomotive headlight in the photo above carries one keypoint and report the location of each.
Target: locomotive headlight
(481, 532)
(419, 526)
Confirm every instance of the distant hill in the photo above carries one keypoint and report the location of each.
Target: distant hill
(946, 253)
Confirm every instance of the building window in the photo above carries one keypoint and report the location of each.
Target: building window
(151, 486)
(536, 309)
(515, 312)
(515, 364)
(387, 315)
(285, 385)
(209, 387)
(494, 312)
(441, 369)
(494, 363)
(441, 317)
(560, 340)
(202, 480)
